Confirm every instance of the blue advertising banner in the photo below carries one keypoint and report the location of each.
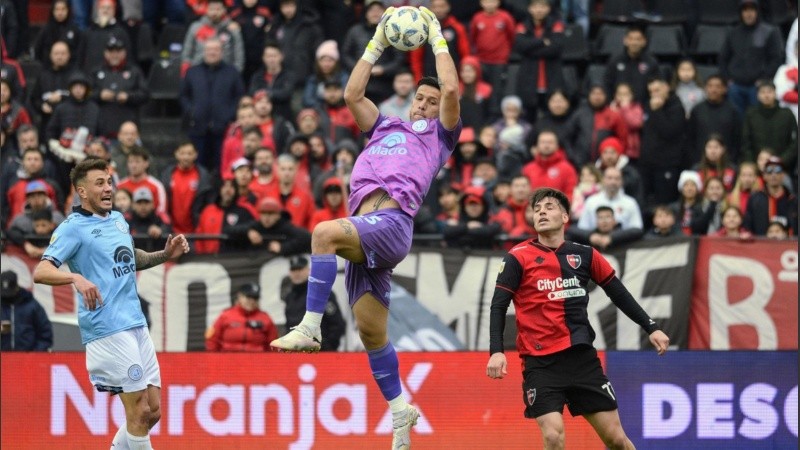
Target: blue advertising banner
(707, 400)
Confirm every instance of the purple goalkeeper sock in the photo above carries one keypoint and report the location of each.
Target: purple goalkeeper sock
(385, 370)
(320, 282)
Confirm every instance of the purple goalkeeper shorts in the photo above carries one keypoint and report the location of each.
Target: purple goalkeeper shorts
(386, 239)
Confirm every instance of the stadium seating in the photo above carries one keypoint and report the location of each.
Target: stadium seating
(576, 47)
(666, 42)
(619, 11)
(719, 12)
(608, 41)
(672, 11)
(707, 42)
(164, 79)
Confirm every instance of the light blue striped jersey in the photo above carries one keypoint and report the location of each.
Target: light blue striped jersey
(100, 249)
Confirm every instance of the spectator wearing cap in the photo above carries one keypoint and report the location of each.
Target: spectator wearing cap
(386, 68)
(224, 217)
(777, 230)
(188, 188)
(275, 79)
(334, 205)
(209, 95)
(25, 326)
(276, 129)
(612, 155)
(100, 31)
(296, 28)
(336, 120)
(626, 210)
(550, 167)
(79, 110)
(149, 227)
(242, 170)
(594, 121)
(138, 164)
(752, 50)
(474, 229)
(275, 233)
(327, 67)
(774, 204)
(688, 208)
(769, 125)
(119, 87)
(333, 324)
(22, 225)
(215, 25)
(633, 65)
(31, 171)
(243, 327)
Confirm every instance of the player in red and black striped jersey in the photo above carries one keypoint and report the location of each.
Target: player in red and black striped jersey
(547, 280)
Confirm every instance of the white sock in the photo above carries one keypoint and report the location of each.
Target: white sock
(120, 441)
(139, 442)
(397, 404)
(312, 319)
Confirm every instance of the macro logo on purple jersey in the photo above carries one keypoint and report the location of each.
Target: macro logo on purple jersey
(391, 144)
(707, 400)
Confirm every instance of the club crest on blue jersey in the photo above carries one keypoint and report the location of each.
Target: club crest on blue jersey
(123, 227)
(574, 261)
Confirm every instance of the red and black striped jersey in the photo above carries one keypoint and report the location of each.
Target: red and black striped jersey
(549, 290)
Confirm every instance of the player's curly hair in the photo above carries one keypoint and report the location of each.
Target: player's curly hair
(79, 172)
(542, 193)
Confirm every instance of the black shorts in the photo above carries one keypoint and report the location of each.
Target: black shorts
(572, 377)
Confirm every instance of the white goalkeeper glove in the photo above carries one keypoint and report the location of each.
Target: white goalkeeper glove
(378, 43)
(435, 38)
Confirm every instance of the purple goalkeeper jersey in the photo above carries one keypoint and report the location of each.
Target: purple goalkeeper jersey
(401, 158)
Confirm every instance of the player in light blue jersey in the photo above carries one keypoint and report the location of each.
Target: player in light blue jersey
(97, 246)
(389, 180)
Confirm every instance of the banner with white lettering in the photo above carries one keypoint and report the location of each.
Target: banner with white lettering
(745, 295)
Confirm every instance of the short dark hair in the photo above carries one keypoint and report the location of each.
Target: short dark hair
(429, 81)
(602, 208)
(717, 76)
(139, 151)
(79, 172)
(42, 214)
(665, 209)
(273, 43)
(545, 192)
(253, 130)
(635, 28)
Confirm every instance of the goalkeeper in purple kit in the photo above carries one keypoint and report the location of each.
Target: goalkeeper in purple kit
(389, 180)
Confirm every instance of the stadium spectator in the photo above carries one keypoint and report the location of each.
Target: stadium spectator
(589, 179)
(461, 164)
(774, 204)
(50, 90)
(476, 95)
(511, 153)
(626, 210)
(632, 114)
(747, 182)
(422, 60)
(295, 27)
(474, 229)
(557, 117)
(594, 121)
(9, 27)
(327, 67)
(713, 204)
(54, 167)
(127, 139)
(491, 34)
(611, 155)
(297, 201)
(15, 185)
(11, 70)
(777, 230)
(264, 182)
(12, 112)
(319, 159)
(512, 114)
(715, 163)
(158, 12)
(188, 188)
(308, 122)
(275, 233)
(607, 234)
(224, 217)
(715, 115)
(235, 148)
(148, 227)
(25, 326)
(274, 78)
(199, 8)
(299, 146)
(122, 200)
(392, 62)
(664, 224)
(634, 65)
(336, 120)
(119, 87)
(333, 324)
(344, 156)
(769, 125)
(688, 208)
(664, 152)
(22, 225)
(550, 167)
(399, 103)
(216, 26)
(512, 216)
(449, 206)
(253, 20)
(686, 84)
(243, 327)
(539, 42)
(242, 171)
(274, 126)
(138, 164)
(732, 219)
(209, 96)
(75, 112)
(102, 29)
(333, 203)
(43, 226)
(753, 50)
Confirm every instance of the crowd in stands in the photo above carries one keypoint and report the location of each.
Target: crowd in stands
(644, 143)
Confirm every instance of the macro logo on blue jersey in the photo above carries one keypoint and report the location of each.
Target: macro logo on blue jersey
(124, 261)
(392, 144)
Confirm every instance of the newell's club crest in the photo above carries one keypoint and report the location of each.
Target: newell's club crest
(531, 396)
(574, 261)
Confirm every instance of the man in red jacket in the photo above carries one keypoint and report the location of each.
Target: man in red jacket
(243, 327)
(550, 166)
(422, 60)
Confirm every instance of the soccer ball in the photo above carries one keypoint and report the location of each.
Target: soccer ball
(405, 29)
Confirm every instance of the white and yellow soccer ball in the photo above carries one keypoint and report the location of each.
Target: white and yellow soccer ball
(406, 29)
